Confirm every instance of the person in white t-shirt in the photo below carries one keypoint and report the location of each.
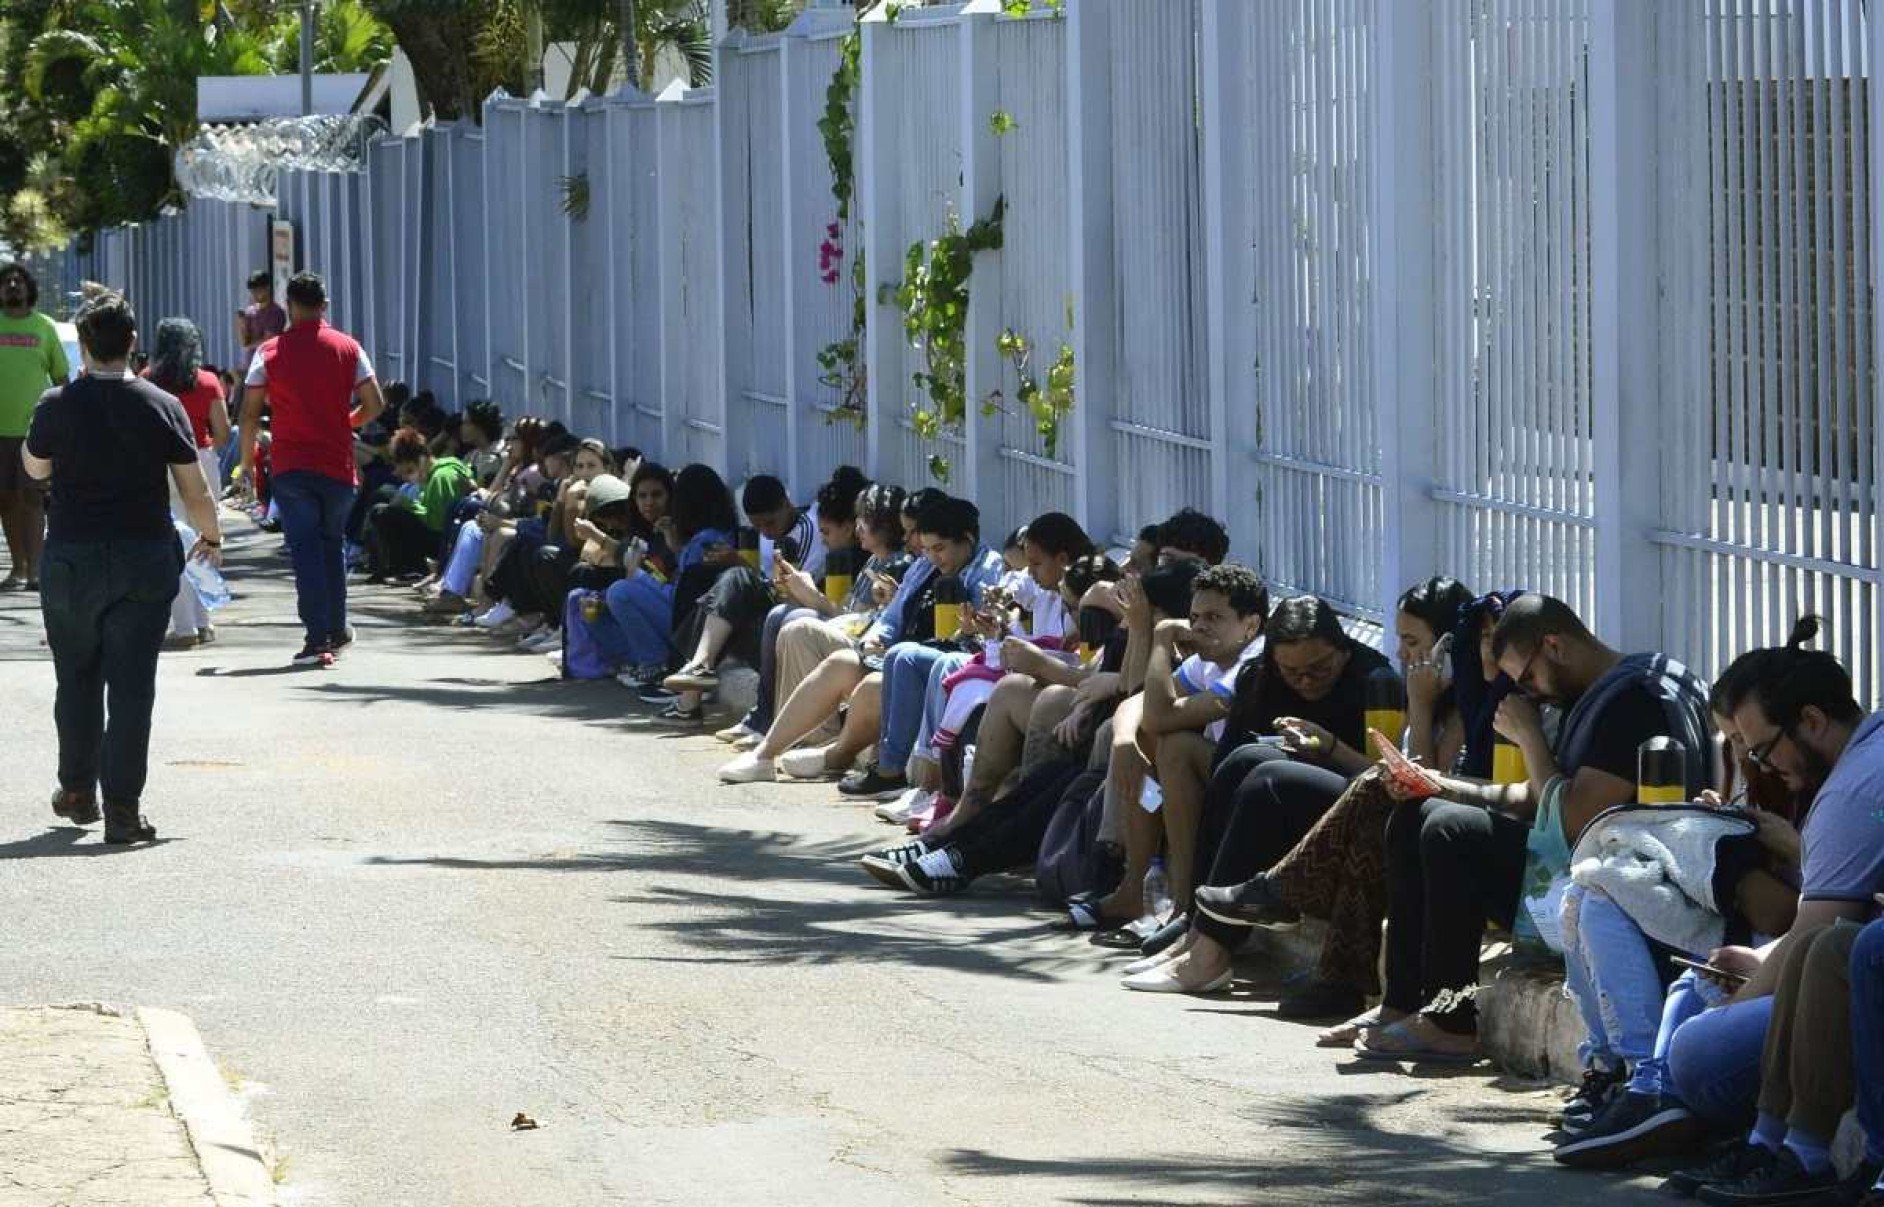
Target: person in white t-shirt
(1190, 683)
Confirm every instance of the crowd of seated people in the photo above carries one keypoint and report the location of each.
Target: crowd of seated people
(1180, 761)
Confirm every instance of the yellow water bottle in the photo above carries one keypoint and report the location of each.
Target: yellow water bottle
(840, 575)
(746, 540)
(1384, 699)
(1661, 772)
(950, 595)
(1508, 762)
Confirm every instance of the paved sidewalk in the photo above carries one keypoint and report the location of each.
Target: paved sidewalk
(85, 1117)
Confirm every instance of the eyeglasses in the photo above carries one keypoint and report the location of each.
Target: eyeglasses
(1524, 672)
(1321, 668)
(1761, 756)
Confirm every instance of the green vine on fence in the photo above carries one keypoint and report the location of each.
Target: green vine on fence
(933, 296)
(841, 362)
(1047, 406)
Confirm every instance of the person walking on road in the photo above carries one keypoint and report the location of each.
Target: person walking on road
(32, 361)
(109, 442)
(320, 388)
(176, 368)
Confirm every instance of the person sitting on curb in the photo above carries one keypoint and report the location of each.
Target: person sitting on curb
(1461, 858)
(1799, 718)
(730, 618)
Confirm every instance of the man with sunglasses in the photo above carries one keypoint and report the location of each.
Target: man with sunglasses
(1760, 1056)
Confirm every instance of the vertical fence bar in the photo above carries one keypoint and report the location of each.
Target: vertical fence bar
(1624, 316)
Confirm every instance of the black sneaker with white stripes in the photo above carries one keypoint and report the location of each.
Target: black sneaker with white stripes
(937, 874)
(886, 866)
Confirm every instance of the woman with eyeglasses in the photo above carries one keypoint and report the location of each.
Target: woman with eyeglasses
(1296, 736)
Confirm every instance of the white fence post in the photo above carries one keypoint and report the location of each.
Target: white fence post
(980, 476)
(1874, 39)
(881, 336)
(1097, 497)
(1624, 321)
(800, 479)
(1230, 343)
(1402, 216)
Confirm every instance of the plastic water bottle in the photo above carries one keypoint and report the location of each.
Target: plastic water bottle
(207, 581)
(1157, 891)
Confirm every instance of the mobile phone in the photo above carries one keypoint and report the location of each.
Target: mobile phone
(1710, 970)
(1274, 741)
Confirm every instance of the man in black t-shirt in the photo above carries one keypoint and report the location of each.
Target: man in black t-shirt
(1459, 860)
(111, 445)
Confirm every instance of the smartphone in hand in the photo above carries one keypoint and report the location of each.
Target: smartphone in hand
(1722, 976)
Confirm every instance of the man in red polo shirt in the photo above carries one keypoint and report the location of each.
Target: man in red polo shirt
(319, 386)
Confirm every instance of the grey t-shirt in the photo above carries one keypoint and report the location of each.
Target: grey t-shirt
(1844, 833)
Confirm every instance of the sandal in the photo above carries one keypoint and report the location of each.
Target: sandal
(1085, 916)
(1345, 1035)
(1396, 1042)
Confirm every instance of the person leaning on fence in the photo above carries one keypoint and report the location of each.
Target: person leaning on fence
(405, 532)
(111, 445)
(1337, 872)
(1309, 692)
(1500, 852)
(177, 369)
(885, 709)
(1189, 688)
(635, 629)
(1626, 1108)
(1264, 803)
(32, 361)
(729, 619)
(319, 387)
(809, 631)
(1799, 718)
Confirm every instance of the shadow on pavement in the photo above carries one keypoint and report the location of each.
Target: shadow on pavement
(760, 928)
(1360, 1148)
(64, 843)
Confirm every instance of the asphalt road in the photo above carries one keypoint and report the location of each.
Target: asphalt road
(409, 897)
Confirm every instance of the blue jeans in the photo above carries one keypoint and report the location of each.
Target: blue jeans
(1611, 973)
(106, 605)
(1715, 1061)
(636, 629)
(1687, 997)
(906, 670)
(760, 718)
(314, 511)
(1867, 1034)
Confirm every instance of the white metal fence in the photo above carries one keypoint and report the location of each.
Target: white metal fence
(1568, 294)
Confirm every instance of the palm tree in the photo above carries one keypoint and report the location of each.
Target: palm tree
(347, 38)
(137, 61)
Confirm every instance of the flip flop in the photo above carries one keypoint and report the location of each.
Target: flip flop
(1410, 1051)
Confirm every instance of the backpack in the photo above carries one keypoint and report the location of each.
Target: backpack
(1070, 860)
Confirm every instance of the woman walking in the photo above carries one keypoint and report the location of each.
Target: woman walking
(176, 368)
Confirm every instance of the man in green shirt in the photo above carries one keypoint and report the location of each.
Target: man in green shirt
(402, 534)
(32, 361)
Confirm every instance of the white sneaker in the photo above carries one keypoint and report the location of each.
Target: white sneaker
(748, 769)
(906, 806)
(804, 763)
(541, 643)
(496, 614)
(733, 734)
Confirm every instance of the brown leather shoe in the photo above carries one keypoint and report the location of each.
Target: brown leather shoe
(75, 807)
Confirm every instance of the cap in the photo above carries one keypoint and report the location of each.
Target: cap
(606, 490)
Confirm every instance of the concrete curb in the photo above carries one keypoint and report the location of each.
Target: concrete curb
(233, 1163)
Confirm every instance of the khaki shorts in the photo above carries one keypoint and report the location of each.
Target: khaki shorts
(13, 476)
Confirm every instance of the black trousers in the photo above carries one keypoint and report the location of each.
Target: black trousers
(1258, 805)
(1007, 833)
(509, 580)
(1450, 870)
(397, 541)
(741, 597)
(106, 606)
(546, 583)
